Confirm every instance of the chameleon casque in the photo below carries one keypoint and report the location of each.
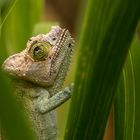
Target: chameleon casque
(39, 72)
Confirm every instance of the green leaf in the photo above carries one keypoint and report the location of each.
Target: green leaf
(125, 103)
(105, 38)
(127, 114)
(19, 24)
(135, 50)
(17, 21)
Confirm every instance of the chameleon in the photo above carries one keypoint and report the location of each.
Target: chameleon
(39, 72)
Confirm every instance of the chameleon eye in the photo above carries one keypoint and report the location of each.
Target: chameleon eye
(39, 51)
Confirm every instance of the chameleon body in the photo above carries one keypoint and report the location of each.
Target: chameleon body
(39, 71)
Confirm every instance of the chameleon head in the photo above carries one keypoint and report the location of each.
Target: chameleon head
(43, 57)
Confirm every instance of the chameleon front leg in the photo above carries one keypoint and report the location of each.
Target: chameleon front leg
(45, 104)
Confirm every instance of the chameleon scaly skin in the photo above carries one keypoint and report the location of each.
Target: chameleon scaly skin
(40, 70)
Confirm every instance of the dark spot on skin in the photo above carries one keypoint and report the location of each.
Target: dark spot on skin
(49, 57)
(25, 58)
(69, 45)
(54, 38)
(30, 39)
(35, 41)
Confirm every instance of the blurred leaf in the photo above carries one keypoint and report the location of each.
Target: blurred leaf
(17, 22)
(106, 34)
(6, 7)
(12, 119)
(18, 27)
(43, 27)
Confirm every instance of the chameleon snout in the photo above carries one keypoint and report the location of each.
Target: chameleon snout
(14, 65)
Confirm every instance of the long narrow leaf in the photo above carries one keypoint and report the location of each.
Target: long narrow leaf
(127, 114)
(107, 31)
(125, 103)
(136, 62)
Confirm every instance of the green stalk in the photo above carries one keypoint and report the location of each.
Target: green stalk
(105, 38)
